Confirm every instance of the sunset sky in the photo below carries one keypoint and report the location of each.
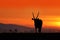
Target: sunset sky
(20, 12)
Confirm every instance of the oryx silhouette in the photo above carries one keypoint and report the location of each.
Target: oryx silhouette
(37, 23)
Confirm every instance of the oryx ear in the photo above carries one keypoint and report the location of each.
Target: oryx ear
(33, 15)
(37, 15)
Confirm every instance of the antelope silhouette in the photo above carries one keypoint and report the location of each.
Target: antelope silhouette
(37, 23)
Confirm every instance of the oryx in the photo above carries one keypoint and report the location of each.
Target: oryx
(37, 23)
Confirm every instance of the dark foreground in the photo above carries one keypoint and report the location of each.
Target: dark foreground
(30, 36)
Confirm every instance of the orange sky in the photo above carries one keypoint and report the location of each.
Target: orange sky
(20, 11)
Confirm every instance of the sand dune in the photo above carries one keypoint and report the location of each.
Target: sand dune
(5, 28)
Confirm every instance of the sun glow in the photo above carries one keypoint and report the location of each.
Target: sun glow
(57, 23)
(52, 23)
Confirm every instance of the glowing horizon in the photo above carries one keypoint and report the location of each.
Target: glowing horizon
(28, 22)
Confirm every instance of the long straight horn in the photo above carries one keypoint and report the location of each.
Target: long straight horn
(37, 15)
(33, 15)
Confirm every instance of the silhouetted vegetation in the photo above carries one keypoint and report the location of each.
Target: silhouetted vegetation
(10, 30)
(15, 30)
